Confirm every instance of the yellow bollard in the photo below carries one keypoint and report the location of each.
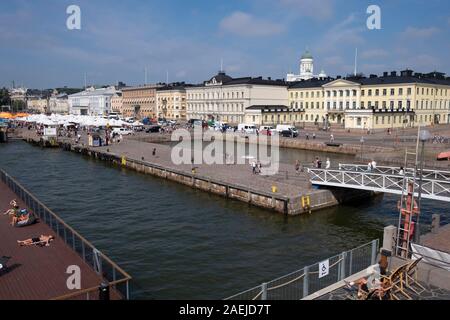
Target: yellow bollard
(274, 189)
(124, 161)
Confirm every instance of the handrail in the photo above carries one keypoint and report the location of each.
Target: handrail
(92, 289)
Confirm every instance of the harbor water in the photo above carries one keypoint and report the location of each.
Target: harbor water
(181, 243)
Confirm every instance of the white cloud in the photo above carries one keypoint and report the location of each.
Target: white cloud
(316, 9)
(244, 24)
(374, 54)
(414, 33)
(333, 61)
(344, 34)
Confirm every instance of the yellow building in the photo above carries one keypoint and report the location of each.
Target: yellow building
(389, 101)
(38, 105)
(117, 103)
(171, 101)
(139, 102)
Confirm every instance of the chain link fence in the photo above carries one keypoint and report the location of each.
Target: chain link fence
(301, 283)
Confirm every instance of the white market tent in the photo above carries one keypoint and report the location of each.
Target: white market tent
(67, 120)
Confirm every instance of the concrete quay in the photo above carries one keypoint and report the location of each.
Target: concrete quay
(294, 194)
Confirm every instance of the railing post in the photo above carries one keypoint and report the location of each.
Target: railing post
(350, 267)
(306, 282)
(264, 291)
(343, 256)
(128, 290)
(374, 251)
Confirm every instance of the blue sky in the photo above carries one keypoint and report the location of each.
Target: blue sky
(188, 39)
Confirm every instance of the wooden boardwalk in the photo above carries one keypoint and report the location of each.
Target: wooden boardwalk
(36, 273)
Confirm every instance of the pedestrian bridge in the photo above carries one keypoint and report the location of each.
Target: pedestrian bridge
(435, 184)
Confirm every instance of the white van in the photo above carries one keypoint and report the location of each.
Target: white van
(266, 129)
(247, 128)
(286, 127)
(122, 131)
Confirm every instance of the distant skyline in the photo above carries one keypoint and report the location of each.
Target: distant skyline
(188, 40)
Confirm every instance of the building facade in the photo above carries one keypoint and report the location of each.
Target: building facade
(139, 102)
(389, 101)
(171, 101)
(117, 103)
(227, 99)
(93, 102)
(37, 105)
(59, 103)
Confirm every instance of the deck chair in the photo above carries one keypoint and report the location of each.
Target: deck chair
(411, 277)
(396, 282)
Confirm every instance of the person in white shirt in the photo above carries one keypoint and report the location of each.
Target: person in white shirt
(374, 165)
(328, 164)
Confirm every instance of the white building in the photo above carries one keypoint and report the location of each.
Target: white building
(306, 69)
(223, 98)
(95, 102)
(59, 103)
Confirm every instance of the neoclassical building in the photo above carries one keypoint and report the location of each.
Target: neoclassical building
(227, 99)
(94, 102)
(171, 101)
(140, 101)
(306, 69)
(388, 101)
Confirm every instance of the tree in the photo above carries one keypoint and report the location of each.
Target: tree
(5, 100)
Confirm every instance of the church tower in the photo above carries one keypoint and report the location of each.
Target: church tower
(307, 66)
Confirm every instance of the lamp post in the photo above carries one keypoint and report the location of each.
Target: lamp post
(424, 136)
(362, 145)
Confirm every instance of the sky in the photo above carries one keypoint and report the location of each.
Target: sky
(187, 40)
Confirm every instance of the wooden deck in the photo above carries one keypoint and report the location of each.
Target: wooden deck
(37, 273)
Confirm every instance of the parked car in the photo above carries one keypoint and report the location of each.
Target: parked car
(153, 129)
(284, 127)
(289, 133)
(267, 130)
(247, 128)
(122, 131)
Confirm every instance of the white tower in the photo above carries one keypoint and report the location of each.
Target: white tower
(307, 66)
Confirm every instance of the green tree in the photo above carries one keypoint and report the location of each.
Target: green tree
(4, 97)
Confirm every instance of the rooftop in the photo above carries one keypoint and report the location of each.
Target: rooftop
(406, 76)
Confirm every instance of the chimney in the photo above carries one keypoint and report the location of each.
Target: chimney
(393, 73)
(338, 77)
(385, 74)
(269, 78)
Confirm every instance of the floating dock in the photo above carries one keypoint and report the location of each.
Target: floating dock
(40, 273)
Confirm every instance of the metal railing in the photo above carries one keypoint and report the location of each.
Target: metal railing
(380, 182)
(114, 276)
(301, 283)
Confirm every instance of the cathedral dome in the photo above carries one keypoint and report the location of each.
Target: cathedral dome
(307, 55)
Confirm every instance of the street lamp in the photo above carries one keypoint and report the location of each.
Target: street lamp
(362, 144)
(424, 136)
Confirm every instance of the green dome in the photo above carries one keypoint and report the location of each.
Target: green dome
(307, 55)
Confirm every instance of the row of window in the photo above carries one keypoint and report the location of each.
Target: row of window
(216, 95)
(370, 92)
(424, 104)
(224, 108)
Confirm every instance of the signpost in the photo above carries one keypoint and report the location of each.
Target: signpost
(324, 268)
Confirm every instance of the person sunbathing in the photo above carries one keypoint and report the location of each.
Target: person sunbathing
(13, 209)
(41, 241)
(21, 215)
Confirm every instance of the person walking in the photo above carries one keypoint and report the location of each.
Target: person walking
(297, 166)
(254, 167)
(331, 138)
(328, 164)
